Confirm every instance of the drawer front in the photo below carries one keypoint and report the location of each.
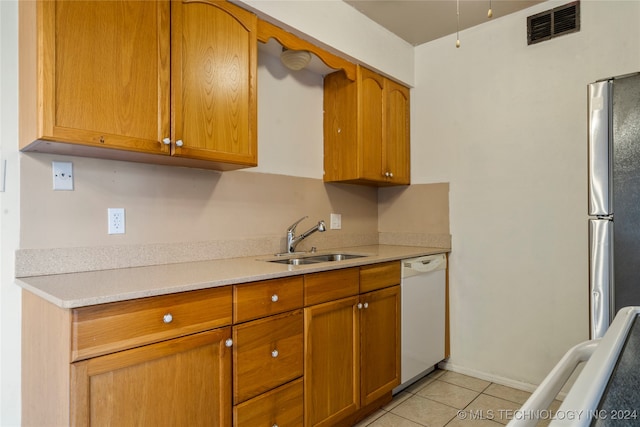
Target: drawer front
(261, 299)
(378, 276)
(266, 354)
(330, 285)
(281, 407)
(107, 328)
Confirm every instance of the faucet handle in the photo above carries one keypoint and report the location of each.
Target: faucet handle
(292, 227)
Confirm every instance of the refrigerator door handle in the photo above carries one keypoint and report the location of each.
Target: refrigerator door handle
(600, 275)
(599, 149)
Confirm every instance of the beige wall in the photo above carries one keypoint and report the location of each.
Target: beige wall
(167, 204)
(180, 214)
(505, 124)
(414, 209)
(176, 215)
(414, 215)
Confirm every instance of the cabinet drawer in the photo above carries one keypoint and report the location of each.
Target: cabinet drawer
(106, 328)
(261, 299)
(266, 353)
(378, 276)
(330, 285)
(281, 407)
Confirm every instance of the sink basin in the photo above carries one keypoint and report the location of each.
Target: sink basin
(294, 261)
(334, 257)
(314, 259)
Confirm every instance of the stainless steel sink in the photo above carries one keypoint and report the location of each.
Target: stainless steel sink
(314, 259)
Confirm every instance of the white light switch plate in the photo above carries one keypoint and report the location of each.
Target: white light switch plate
(336, 221)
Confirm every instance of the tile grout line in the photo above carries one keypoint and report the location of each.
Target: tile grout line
(411, 393)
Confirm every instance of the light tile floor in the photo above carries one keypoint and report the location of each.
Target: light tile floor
(445, 398)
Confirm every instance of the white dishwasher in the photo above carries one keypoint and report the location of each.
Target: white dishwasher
(423, 316)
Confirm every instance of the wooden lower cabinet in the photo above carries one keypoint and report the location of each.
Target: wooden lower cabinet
(331, 369)
(268, 353)
(352, 349)
(320, 349)
(181, 382)
(379, 343)
(168, 362)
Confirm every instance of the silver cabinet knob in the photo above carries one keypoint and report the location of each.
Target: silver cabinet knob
(359, 306)
(366, 305)
(274, 298)
(228, 342)
(167, 318)
(390, 174)
(166, 141)
(179, 143)
(274, 353)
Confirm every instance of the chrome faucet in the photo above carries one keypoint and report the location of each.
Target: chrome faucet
(292, 240)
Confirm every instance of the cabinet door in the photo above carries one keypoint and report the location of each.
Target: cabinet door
(371, 125)
(396, 143)
(213, 65)
(181, 382)
(380, 343)
(331, 368)
(104, 73)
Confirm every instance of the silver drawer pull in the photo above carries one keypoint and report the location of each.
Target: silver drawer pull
(274, 298)
(228, 342)
(167, 318)
(274, 353)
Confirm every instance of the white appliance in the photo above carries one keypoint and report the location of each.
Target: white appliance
(614, 199)
(605, 393)
(423, 316)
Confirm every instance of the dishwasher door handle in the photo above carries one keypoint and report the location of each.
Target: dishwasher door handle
(426, 264)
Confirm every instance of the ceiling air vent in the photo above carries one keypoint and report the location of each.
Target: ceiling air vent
(553, 23)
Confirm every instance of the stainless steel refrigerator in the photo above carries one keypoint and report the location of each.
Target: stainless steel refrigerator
(614, 198)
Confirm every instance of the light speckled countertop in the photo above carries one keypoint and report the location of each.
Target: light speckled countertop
(97, 287)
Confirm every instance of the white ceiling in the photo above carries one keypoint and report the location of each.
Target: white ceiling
(420, 21)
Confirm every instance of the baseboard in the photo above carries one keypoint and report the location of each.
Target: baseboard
(492, 378)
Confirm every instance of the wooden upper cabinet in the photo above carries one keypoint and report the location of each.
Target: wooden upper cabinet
(213, 64)
(371, 124)
(162, 81)
(95, 73)
(366, 129)
(396, 149)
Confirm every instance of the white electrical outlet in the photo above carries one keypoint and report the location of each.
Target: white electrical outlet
(116, 220)
(336, 221)
(62, 175)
